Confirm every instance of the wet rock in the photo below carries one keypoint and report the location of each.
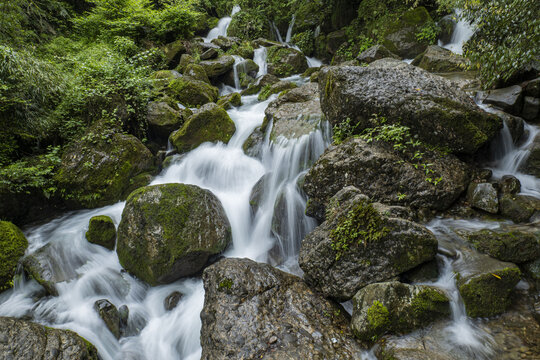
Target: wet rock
(515, 244)
(252, 310)
(447, 24)
(110, 316)
(483, 196)
(123, 315)
(218, 67)
(428, 271)
(101, 170)
(209, 54)
(393, 307)
(276, 88)
(531, 109)
(357, 245)
(433, 108)
(376, 52)
(508, 99)
(515, 124)
(170, 231)
(400, 37)
(531, 165)
(334, 40)
(185, 60)
(101, 231)
(253, 144)
(533, 88)
(256, 196)
(191, 92)
(230, 100)
(260, 83)
(439, 60)
(196, 72)
(385, 176)
(46, 273)
(509, 184)
(246, 69)
(210, 123)
(518, 208)
(27, 340)
(162, 120)
(485, 284)
(12, 247)
(173, 51)
(283, 61)
(296, 113)
(172, 300)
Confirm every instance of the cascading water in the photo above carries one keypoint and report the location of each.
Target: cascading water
(222, 26)
(259, 58)
(462, 33)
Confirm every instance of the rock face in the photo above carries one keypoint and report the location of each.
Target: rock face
(98, 174)
(169, 231)
(283, 61)
(296, 113)
(400, 37)
(434, 109)
(12, 247)
(439, 60)
(397, 308)
(210, 123)
(383, 175)
(358, 245)
(483, 196)
(162, 120)
(101, 231)
(517, 244)
(26, 340)
(376, 52)
(252, 310)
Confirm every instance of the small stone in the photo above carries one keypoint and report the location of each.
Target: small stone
(172, 300)
(273, 340)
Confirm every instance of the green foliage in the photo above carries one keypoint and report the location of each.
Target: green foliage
(343, 131)
(361, 225)
(305, 42)
(429, 33)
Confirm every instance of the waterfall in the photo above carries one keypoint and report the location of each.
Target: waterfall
(290, 29)
(462, 33)
(222, 26)
(260, 59)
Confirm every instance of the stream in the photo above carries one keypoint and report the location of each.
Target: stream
(92, 272)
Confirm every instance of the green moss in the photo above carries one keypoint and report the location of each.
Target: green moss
(285, 61)
(234, 99)
(225, 284)
(101, 231)
(429, 303)
(361, 225)
(378, 318)
(276, 88)
(12, 247)
(489, 294)
(516, 247)
(191, 92)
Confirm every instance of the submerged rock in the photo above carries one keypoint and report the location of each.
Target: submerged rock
(284, 61)
(26, 340)
(385, 176)
(210, 123)
(393, 307)
(431, 106)
(170, 231)
(359, 245)
(12, 247)
(110, 316)
(101, 231)
(172, 300)
(252, 310)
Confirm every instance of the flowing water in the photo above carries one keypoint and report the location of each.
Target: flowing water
(463, 31)
(222, 26)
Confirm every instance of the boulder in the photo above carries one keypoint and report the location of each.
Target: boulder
(209, 54)
(276, 88)
(244, 69)
(447, 24)
(509, 99)
(385, 175)
(359, 244)
(170, 231)
(334, 40)
(533, 88)
(518, 208)
(440, 60)
(110, 316)
(230, 100)
(464, 80)
(253, 310)
(13, 244)
(517, 244)
(396, 308)
(210, 123)
(101, 231)
(162, 120)
(283, 61)
(483, 196)
(191, 92)
(26, 340)
(531, 165)
(400, 35)
(185, 60)
(431, 106)
(218, 67)
(531, 109)
(172, 300)
(515, 124)
(376, 52)
(226, 43)
(101, 169)
(173, 51)
(509, 184)
(296, 113)
(260, 82)
(197, 72)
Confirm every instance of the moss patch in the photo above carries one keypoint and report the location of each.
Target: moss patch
(12, 247)
(101, 231)
(378, 318)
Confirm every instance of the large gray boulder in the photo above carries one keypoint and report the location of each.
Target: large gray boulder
(170, 231)
(296, 113)
(435, 110)
(385, 176)
(509, 99)
(162, 120)
(359, 244)
(253, 310)
(22, 339)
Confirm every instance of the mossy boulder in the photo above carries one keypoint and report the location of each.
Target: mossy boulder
(260, 83)
(246, 70)
(517, 244)
(439, 60)
(518, 208)
(197, 72)
(226, 43)
(431, 106)
(218, 67)
(374, 53)
(483, 196)
(170, 231)
(359, 244)
(276, 88)
(210, 123)
(162, 120)
(400, 35)
(396, 308)
(173, 51)
(185, 60)
(100, 169)
(284, 61)
(101, 231)
(230, 100)
(191, 92)
(13, 244)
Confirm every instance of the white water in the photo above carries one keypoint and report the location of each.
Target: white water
(462, 33)
(222, 26)
(259, 58)
(290, 29)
